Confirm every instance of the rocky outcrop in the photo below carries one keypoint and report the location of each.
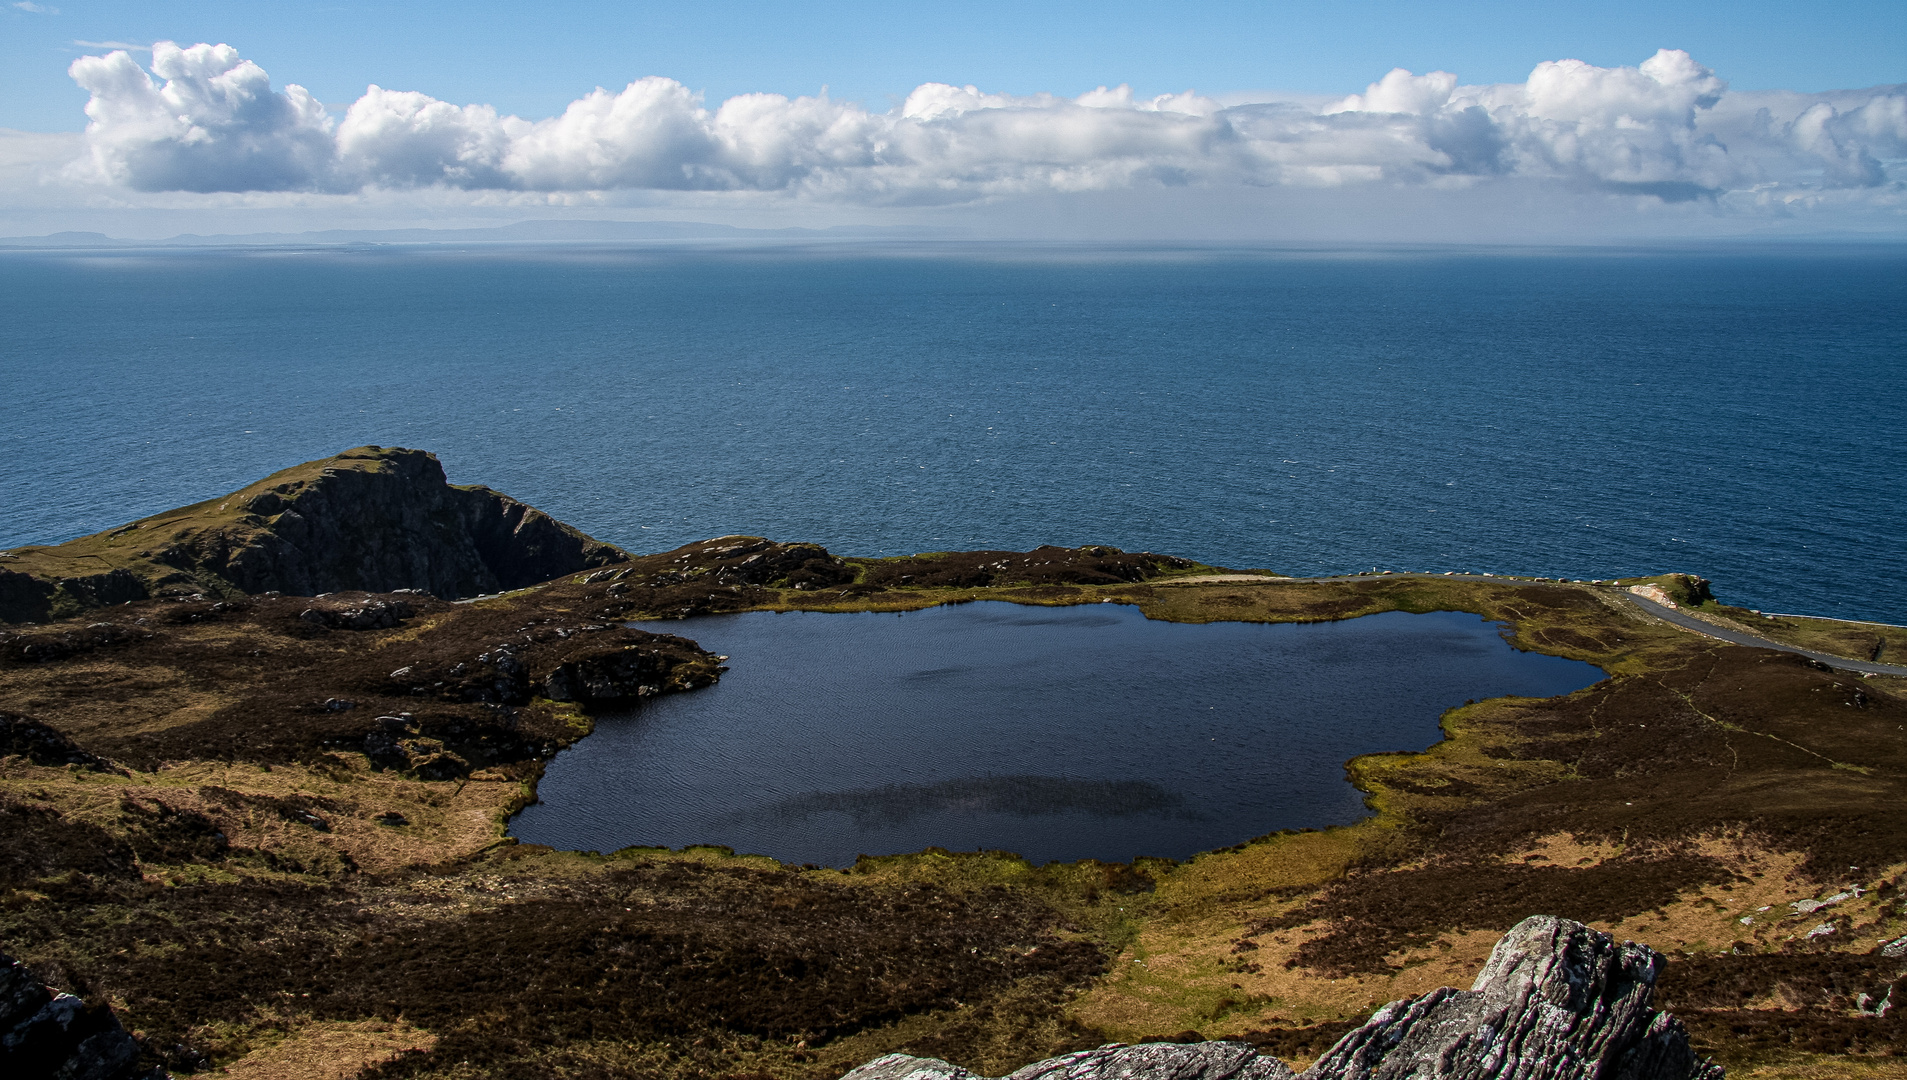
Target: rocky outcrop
(400, 525)
(42, 745)
(46, 1033)
(1556, 1001)
(589, 663)
(1094, 564)
(743, 560)
(374, 519)
(1149, 1061)
(357, 612)
(30, 597)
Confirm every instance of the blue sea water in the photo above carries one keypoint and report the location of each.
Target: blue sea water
(1737, 413)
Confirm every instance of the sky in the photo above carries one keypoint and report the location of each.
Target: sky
(1503, 121)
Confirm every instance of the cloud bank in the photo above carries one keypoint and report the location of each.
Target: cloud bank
(203, 119)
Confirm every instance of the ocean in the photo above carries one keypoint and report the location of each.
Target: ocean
(1738, 413)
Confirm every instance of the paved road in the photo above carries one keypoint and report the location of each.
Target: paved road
(1674, 617)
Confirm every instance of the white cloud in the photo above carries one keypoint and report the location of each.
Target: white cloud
(37, 9)
(214, 125)
(1402, 92)
(1667, 128)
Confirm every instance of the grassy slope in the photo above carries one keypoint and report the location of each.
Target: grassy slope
(1699, 784)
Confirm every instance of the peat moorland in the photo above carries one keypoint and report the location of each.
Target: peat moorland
(268, 829)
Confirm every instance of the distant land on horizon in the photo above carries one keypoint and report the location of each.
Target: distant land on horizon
(561, 231)
(520, 232)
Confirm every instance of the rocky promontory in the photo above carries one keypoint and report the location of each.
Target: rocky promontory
(375, 518)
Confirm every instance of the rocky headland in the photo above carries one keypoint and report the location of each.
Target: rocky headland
(373, 519)
(256, 759)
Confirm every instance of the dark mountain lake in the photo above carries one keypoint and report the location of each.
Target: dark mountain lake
(1056, 733)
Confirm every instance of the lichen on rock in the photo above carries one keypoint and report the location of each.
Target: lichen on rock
(1556, 1001)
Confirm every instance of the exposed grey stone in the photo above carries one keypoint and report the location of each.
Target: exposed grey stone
(1809, 907)
(1160, 1061)
(1895, 949)
(1148, 1061)
(1556, 1001)
(908, 1067)
(608, 676)
(364, 613)
(44, 1032)
(103, 1055)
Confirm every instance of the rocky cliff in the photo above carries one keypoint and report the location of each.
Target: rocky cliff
(376, 519)
(1556, 1001)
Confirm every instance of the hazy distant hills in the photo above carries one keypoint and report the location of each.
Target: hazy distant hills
(521, 232)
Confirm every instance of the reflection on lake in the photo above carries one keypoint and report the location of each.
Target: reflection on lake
(1025, 796)
(1057, 733)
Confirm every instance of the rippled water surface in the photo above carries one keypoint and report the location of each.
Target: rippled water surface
(1057, 733)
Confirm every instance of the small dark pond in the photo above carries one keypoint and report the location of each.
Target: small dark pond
(1057, 733)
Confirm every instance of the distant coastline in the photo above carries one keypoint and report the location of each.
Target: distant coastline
(561, 231)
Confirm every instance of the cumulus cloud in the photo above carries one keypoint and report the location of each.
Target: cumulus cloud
(215, 124)
(204, 119)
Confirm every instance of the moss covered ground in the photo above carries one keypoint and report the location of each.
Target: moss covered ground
(198, 834)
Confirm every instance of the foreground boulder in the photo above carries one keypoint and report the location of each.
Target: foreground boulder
(1556, 1001)
(374, 519)
(1149, 1061)
(44, 1032)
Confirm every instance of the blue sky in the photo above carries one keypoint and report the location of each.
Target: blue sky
(532, 59)
(1461, 121)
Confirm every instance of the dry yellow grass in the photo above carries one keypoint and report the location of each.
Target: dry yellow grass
(444, 820)
(1841, 1068)
(336, 1051)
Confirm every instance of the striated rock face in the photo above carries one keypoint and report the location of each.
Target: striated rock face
(1150, 1061)
(1556, 1001)
(47, 1033)
(374, 519)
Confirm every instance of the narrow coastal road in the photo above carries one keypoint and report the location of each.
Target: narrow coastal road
(1736, 637)
(1649, 607)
